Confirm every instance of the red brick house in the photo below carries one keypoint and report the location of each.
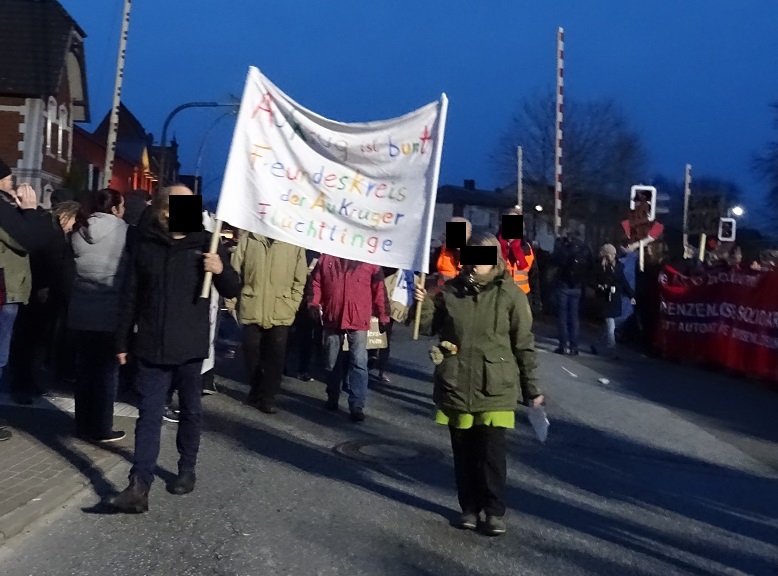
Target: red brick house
(43, 90)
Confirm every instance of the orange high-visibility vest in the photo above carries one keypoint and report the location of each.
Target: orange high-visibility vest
(448, 265)
(521, 276)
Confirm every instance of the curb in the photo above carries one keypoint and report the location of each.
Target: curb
(15, 522)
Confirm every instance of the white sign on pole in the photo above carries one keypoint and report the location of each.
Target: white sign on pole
(362, 191)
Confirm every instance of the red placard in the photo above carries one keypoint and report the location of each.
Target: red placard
(723, 316)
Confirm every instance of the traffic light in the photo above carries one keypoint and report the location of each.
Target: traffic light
(647, 194)
(727, 229)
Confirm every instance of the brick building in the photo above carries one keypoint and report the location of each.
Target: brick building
(43, 90)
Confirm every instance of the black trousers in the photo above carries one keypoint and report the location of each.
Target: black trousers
(308, 335)
(480, 469)
(97, 371)
(32, 335)
(153, 382)
(265, 353)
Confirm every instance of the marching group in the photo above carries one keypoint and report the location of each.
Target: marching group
(108, 287)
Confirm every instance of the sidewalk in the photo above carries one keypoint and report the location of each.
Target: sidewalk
(42, 466)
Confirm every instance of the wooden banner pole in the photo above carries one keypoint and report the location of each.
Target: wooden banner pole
(417, 321)
(217, 230)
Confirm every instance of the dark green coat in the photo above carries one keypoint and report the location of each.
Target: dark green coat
(496, 363)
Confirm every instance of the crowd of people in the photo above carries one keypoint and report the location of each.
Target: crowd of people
(108, 296)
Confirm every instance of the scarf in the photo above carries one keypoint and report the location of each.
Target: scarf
(512, 252)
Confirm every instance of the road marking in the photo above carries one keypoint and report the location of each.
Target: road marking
(568, 371)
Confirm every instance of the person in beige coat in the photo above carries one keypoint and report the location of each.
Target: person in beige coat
(273, 276)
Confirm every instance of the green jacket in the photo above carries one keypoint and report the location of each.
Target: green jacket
(496, 363)
(15, 263)
(273, 275)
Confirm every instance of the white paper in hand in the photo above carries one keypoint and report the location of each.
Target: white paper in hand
(539, 420)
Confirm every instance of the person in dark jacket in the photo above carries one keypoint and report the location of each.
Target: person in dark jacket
(575, 263)
(99, 248)
(40, 325)
(610, 285)
(485, 362)
(162, 299)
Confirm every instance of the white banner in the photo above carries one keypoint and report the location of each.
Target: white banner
(362, 191)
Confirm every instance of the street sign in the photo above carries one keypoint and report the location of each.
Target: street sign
(727, 229)
(643, 193)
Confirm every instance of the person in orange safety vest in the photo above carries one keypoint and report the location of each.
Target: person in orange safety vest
(447, 259)
(522, 265)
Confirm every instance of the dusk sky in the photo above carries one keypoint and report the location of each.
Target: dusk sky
(696, 77)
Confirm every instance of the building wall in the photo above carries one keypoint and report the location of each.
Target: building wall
(11, 129)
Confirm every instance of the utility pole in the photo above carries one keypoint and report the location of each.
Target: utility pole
(687, 192)
(113, 127)
(560, 98)
(520, 178)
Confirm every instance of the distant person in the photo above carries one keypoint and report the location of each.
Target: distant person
(162, 298)
(575, 264)
(447, 259)
(485, 363)
(521, 264)
(610, 284)
(307, 330)
(344, 295)
(136, 202)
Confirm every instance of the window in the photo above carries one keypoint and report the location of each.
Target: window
(51, 116)
(63, 126)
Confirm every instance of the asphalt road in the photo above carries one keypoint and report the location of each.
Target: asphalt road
(665, 470)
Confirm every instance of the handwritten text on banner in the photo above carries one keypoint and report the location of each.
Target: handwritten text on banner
(363, 191)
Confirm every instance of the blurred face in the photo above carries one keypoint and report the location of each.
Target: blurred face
(7, 184)
(165, 214)
(118, 211)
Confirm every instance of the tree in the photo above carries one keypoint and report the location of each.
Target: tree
(602, 152)
(766, 165)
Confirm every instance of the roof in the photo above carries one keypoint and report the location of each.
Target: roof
(449, 194)
(131, 140)
(37, 37)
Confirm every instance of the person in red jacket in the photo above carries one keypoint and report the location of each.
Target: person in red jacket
(344, 295)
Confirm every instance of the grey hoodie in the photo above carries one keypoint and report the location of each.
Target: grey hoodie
(100, 269)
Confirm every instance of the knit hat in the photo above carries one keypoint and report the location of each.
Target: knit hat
(5, 171)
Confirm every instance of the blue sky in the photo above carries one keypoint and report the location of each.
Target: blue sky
(695, 76)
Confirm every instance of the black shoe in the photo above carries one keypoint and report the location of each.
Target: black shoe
(5, 434)
(357, 415)
(172, 415)
(209, 388)
(114, 436)
(494, 526)
(574, 352)
(331, 405)
(183, 484)
(133, 500)
(562, 351)
(267, 406)
(467, 521)
(305, 377)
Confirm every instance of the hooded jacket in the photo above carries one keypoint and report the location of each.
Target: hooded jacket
(162, 297)
(99, 253)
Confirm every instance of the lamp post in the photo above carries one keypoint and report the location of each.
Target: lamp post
(538, 210)
(202, 148)
(163, 143)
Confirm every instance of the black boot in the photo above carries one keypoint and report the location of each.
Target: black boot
(183, 484)
(133, 500)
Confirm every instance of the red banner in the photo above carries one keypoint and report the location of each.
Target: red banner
(724, 316)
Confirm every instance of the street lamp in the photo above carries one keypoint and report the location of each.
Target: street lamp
(163, 143)
(538, 208)
(737, 211)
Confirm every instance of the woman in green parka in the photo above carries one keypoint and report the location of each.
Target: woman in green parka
(485, 363)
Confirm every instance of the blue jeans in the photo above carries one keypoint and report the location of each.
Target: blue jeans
(627, 311)
(97, 380)
(153, 382)
(568, 321)
(609, 334)
(8, 314)
(350, 367)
